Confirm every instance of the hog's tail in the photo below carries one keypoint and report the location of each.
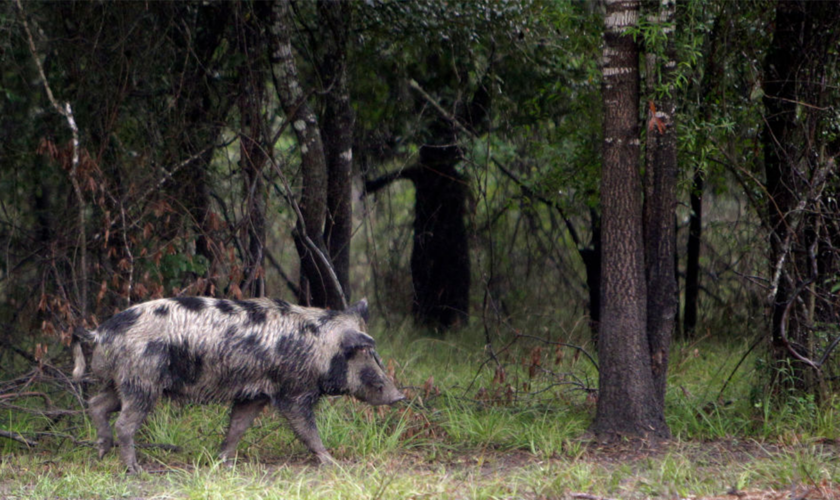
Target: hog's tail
(79, 364)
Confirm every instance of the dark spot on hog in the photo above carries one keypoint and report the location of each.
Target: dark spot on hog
(308, 328)
(353, 340)
(256, 313)
(161, 311)
(118, 324)
(369, 377)
(194, 304)
(156, 348)
(231, 332)
(327, 316)
(251, 346)
(225, 306)
(335, 381)
(282, 305)
(292, 348)
(185, 365)
(179, 365)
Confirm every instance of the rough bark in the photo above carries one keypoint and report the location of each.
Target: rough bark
(627, 402)
(660, 202)
(337, 127)
(317, 287)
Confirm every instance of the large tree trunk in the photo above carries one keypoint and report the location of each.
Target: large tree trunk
(660, 204)
(440, 263)
(337, 126)
(317, 283)
(627, 402)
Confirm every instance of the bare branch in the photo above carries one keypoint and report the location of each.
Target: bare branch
(14, 436)
(446, 114)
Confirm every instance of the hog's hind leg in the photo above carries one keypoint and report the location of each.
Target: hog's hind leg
(136, 404)
(100, 409)
(242, 415)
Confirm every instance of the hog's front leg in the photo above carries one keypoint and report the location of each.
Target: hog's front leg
(300, 412)
(242, 415)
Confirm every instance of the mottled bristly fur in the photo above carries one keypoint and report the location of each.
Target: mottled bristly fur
(247, 352)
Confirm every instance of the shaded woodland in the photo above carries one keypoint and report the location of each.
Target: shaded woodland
(631, 172)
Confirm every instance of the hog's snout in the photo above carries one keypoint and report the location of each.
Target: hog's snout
(395, 396)
(375, 387)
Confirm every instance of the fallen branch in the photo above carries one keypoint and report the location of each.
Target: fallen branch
(15, 436)
(587, 496)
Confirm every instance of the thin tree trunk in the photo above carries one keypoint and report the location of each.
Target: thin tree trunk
(335, 18)
(692, 259)
(316, 281)
(252, 162)
(660, 203)
(712, 74)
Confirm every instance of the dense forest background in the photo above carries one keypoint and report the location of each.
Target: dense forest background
(447, 160)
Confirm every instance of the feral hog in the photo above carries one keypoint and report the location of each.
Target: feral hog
(248, 352)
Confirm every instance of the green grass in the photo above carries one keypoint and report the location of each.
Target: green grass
(467, 434)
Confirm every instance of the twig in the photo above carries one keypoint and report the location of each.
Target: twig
(530, 192)
(160, 446)
(289, 283)
(14, 436)
(16, 395)
(758, 340)
(562, 344)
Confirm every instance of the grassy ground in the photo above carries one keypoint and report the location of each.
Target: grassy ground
(515, 429)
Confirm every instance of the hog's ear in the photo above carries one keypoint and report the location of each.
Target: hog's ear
(353, 340)
(360, 308)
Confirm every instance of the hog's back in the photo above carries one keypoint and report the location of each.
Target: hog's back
(204, 350)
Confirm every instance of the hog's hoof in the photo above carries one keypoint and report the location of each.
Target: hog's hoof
(104, 446)
(133, 470)
(324, 458)
(229, 461)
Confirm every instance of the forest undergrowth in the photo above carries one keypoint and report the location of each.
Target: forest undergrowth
(506, 420)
